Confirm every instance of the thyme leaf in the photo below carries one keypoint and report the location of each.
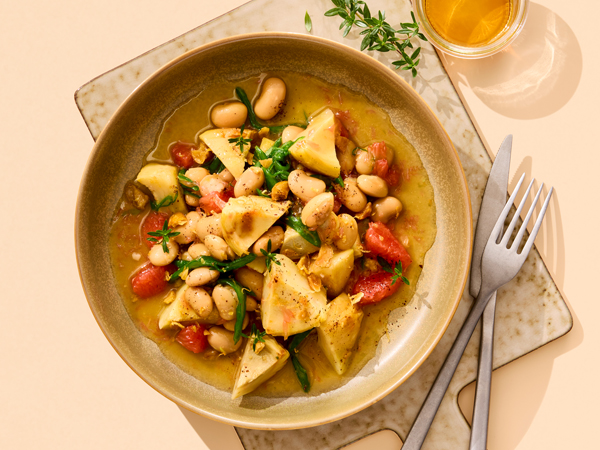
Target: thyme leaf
(163, 236)
(307, 22)
(240, 141)
(396, 271)
(269, 257)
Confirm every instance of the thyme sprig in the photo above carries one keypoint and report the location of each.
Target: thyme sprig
(269, 257)
(256, 335)
(163, 236)
(379, 35)
(396, 271)
(241, 141)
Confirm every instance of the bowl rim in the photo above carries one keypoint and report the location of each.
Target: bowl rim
(443, 326)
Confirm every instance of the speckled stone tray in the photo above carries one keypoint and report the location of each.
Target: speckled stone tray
(530, 310)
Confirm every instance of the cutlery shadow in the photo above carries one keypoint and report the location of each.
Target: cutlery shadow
(215, 435)
(508, 411)
(535, 76)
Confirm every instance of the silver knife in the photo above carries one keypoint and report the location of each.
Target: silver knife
(494, 199)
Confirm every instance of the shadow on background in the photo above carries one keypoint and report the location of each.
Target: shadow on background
(215, 435)
(508, 381)
(535, 76)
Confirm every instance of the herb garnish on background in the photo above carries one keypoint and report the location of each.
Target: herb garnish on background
(379, 35)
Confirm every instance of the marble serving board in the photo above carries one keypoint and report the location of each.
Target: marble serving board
(530, 310)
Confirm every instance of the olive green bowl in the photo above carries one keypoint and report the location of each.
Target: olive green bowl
(117, 157)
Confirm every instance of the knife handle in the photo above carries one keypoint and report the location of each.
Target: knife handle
(481, 410)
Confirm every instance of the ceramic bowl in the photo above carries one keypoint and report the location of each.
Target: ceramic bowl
(118, 155)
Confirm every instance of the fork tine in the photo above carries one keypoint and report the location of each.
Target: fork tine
(513, 222)
(523, 228)
(538, 223)
(496, 232)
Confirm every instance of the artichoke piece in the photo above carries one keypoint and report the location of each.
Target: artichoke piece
(289, 305)
(257, 367)
(335, 271)
(295, 246)
(180, 312)
(229, 154)
(247, 218)
(338, 333)
(162, 181)
(315, 148)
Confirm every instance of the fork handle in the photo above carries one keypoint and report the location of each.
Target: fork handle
(481, 410)
(418, 432)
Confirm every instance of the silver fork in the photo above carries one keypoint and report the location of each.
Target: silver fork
(499, 265)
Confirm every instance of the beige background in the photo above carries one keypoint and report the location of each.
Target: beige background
(63, 386)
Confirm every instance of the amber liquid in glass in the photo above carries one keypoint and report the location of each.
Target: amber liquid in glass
(469, 23)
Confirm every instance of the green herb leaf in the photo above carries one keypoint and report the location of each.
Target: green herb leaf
(215, 166)
(240, 310)
(307, 22)
(396, 271)
(379, 34)
(269, 257)
(240, 141)
(256, 336)
(167, 201)
(163, 236)
(211, 263)
(279, 170)
(296, 224)
(300, 371)
(241, 94)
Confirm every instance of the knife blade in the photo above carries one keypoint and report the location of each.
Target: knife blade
(494, 199)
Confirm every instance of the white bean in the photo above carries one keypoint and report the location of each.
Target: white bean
(200, 301)
(271, 99)
(197, 249)
(158, 257)
(372, 185)
(317, 210)
(365, 163)
(229, 115)
(251, 279)
(347, 232)
(226, 301)
(222, 340)
(273, 234)
(305, 187)
(252, 179)
(386, 209)
(201, 276)
(209, 225)
(187, 231)
(211, 183)
(230, 324)
(352, 197)
(226, 176)
(290, 133)
(218, 247)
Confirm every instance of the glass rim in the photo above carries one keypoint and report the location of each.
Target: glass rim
(502, 40)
